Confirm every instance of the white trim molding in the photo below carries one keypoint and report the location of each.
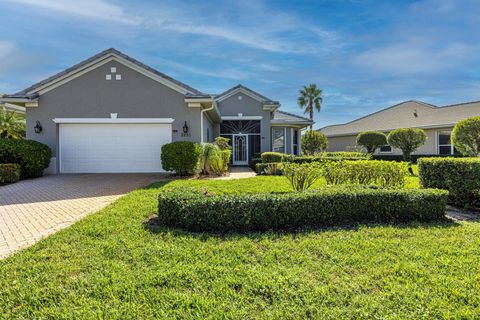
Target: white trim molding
(243, 91)
(242, 117)
(111, 120)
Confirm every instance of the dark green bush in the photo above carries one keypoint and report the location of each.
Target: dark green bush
(414, 157)
(371, 140)
(344, 154)
(32, 156)
(269, 157)
(182, 157)
(9, 172)
(407, 139)
(460, 176)
(466, 136)
(269, 169)
(313, 142)
(196, 210)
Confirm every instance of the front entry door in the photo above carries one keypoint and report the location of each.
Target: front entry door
(240, 149)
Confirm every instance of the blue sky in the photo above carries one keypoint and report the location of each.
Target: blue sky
(365, 55)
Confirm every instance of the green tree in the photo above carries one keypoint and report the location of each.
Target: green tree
(314, 142)
(372, 140)
(407, 139)
(310, 99)
(466, 136)
(12, 125)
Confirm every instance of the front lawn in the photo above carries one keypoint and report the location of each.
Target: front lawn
(110, 265)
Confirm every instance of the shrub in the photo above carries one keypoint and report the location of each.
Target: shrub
(466, 136)
(322, 159)
(344, 154)
(182, 157)
(197, 210)
(314, 142)
(407, 139)
(12, 124)
(9, 173)
(414, 157)
(211, 160)
(269, 157)
(253, 163)
(371, 140)
(32, 156)
(301, 176)
(270, 169)
(460, 176)
(365, 172)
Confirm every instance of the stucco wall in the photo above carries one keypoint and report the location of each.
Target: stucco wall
(91, 96)
(248, 106)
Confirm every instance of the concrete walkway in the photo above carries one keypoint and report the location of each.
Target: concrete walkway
(238, 173)
(33, 209)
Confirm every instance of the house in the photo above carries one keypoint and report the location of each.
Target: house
(438, 123)
(112, 113)
(12, 108)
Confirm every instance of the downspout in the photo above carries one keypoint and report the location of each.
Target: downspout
(201, 118)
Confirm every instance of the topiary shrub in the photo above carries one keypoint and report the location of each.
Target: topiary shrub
(182, 157)
(32, 156)
(301, 176)
(269, 157)
(197, 210)
(371, 140)
(9, 173)
(314, 142)
(466, 136)
(407, 139)
(460, 176)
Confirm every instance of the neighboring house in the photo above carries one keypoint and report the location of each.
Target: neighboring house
(438, 123)
(112, 113)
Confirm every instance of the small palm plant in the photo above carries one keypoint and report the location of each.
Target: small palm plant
(310, 99)
(12, 125)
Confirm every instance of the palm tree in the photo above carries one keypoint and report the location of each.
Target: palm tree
(310, 98)
(12, 126)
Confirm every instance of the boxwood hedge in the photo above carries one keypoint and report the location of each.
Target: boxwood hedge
(196, 210)
(32, 156)
(9, 173)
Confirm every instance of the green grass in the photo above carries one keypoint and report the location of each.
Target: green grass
(109, 265)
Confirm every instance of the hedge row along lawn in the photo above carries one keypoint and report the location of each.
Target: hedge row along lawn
(110, 265)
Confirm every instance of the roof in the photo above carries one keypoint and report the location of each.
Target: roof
(261, 97)
(289, 117)
(414, 114)
(25, 92)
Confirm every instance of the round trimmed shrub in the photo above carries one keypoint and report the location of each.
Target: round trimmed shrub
(270, 157)
(407, 139)
(182, 157)
(371, 140)
(32, 156)
(9, 173)
(466, 136)
(314, 142)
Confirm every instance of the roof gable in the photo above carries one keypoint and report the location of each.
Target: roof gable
(99, 60)
(249, 92)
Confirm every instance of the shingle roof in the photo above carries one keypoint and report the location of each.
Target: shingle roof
(289, 117)
(239, 86)
(24, 92)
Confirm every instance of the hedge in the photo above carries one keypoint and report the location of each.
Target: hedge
(32, 156)
(182, 157)
(460, 176)
(195, 210)
(9, 173)
(310, 159)
(414, 157)
(344, 154)
(270, 157)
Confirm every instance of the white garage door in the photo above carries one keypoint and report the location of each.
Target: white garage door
(119, 147)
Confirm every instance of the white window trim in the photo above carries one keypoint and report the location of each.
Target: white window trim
(284, 139)
(437, 142)
(110, 120)
(241, 117)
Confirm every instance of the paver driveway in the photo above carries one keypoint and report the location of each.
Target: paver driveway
(32, 209)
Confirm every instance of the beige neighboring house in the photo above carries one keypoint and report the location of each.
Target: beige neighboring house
(438, 123)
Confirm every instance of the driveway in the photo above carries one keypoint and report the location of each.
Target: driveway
(33, 209)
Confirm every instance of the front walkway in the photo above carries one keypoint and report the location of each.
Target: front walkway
(238, 173)
(33, 209)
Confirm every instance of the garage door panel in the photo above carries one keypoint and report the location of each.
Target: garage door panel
(112, 147)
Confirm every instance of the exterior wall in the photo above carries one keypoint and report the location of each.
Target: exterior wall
(248, 106)
(91, 96)
(348, 143)
(208, 130)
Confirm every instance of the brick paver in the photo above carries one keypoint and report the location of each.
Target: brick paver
(33, 209)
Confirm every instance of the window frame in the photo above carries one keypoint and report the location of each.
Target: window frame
(452, 148)
(284, 139)
(384, 152)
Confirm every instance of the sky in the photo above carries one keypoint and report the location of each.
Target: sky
(365, 55)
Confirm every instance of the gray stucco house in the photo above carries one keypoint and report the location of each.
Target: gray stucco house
(112, 113)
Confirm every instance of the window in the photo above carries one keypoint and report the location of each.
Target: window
(386, 149)
(295, 142)
(278, 144)
(444, 143)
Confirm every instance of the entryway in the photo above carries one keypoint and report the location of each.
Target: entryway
(240, 149)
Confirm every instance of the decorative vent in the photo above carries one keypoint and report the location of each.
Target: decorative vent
(118, 77)
(113, 69)
(108, 77)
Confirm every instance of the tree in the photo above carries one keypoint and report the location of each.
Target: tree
(314, 142)
(12, 126)
(466, 136)
(407, 139)
(310, 98)
(371, 140)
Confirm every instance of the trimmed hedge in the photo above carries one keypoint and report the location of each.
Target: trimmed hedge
(270, 157)
(414, 157)
(195, 210)
(344, 154)
(460, 176)
(32, 156)
(182, 157)
(310, 159)
(9, 172)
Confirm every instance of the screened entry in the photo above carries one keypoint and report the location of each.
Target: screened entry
(244, 138)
